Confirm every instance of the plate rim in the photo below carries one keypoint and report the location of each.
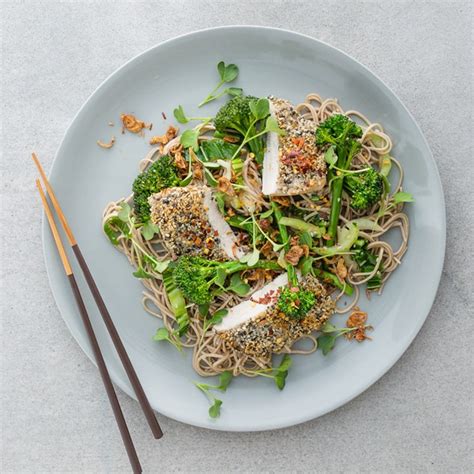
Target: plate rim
(123, 385)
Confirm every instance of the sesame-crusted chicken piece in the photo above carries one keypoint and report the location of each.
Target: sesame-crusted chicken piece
(292, 163)
(191, 224)
(257, 327)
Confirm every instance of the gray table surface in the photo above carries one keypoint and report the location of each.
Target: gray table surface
(55, 414)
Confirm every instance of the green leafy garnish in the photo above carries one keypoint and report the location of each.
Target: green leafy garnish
(366, 260)
(114, 228)
(398, 198)
(306, 264)
(227, 73)
(189, 139)
(216, 318)
(162, 334)
(278, 374)
(237, 285)
(217, 149)
(220, 201)
(181, 117)
(124, 212)
(215, 408)
(148, 230)
(326, 343)
(402, 197)
(330, 156)
(141, 273)
(306, 239)
(327, 340)
(224, 380)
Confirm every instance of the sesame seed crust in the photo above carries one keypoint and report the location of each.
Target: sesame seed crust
(272, 331)
(183, 221)
(301, 164)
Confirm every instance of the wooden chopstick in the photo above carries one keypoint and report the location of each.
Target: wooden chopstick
(119, 347)
(127, 440)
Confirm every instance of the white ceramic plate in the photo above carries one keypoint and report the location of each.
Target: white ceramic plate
(86, 177)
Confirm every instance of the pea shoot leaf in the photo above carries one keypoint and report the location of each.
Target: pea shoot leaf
(221, 276)
(179, 114)
(161, 266)
(227, 73)
(216, 318)
(282, 372)
(272, 126)
(141, 273)
(220, 201)
(253, 259)
(189, 139)
(260, 108)
(328, 327)
(306, 265)
(330, 156)
(115, 228)
(148, 230)
(266, 214)
(234, 91)
(402, 197)
(203, 309)
(238, 286)
(306, 239)
(215, 408)
(326, 343)
(224, 380)
(285, 363)
(161, 335)
(124, 212)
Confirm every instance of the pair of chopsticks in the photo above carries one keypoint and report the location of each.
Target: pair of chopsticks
(119, 347)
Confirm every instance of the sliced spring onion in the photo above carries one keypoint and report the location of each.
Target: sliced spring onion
(346, 238)
(364, 223)
(304, 226)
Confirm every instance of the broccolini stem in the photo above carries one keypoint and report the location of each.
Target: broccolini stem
(238, 267)
(336, 203)
(345, 159)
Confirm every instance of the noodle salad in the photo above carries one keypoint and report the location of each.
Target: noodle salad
(252, 229)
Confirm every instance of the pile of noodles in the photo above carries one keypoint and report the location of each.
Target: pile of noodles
(210, 355)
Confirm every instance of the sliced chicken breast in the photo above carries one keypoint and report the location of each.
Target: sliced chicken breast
(191, 224)
(257, 327)
(292, 163)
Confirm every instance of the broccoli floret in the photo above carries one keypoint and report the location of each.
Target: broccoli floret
(293, 299)
(337, 130)
(341, 133)
(366, 261)
(365, 189)
(195, 276)
(236, 116)
(160, 175)
(295, 302)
